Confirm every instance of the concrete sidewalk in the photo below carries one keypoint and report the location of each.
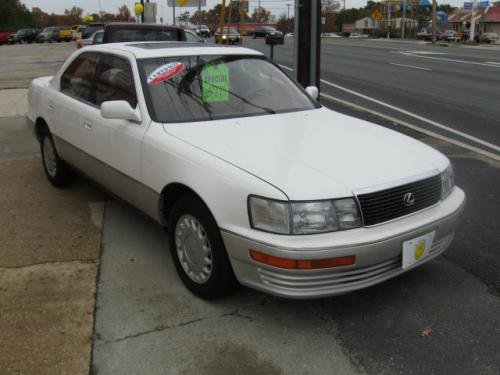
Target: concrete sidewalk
(50, 246)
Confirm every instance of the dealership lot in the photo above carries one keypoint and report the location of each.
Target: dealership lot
(443, 317)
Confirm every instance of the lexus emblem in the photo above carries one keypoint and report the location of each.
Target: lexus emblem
(409, 199)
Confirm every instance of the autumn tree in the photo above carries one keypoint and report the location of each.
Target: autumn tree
(261, 15)
(73, 15)
(329, 10)
(124, 14)
(284, 24)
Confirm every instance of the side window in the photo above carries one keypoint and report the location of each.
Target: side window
(115, 81)
(191, 37)
(78, 78)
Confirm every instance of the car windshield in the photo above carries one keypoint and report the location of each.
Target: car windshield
(201, 88)
(138, 35)
(228, 31)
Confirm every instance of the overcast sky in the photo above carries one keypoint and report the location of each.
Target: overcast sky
(276, 7)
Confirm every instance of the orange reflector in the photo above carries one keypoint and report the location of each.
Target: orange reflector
(301, 264)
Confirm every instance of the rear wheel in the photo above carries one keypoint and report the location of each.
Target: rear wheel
(57, 171)
(198, 251)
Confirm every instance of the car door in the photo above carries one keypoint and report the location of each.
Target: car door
(70, 105)
(116, 143)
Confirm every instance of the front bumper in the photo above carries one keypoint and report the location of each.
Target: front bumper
(378, 252)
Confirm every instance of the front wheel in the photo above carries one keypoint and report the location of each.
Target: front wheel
(198, 251)
(57, 171)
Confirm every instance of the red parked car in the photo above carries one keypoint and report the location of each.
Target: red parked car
(4, 35)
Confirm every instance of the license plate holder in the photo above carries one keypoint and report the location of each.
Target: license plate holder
(417, 249)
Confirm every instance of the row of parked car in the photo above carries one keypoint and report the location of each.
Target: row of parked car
(93, 34)
(49, 34)
(455, 36)
(231, 35)
(115, 32)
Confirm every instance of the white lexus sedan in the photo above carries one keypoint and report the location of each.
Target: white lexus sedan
(257, 183)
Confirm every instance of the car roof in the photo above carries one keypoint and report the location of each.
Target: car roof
(140, 26)
(142, 50)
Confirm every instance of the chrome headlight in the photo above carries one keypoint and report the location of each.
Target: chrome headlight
(303, 217)
(447, 181)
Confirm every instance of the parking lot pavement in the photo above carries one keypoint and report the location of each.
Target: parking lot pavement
(50, 246)
(20, 63)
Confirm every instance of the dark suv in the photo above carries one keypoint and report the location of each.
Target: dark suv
(24, 36)
(264, 31)
(137, 32)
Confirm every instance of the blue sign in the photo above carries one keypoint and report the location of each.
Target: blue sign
(480, 4)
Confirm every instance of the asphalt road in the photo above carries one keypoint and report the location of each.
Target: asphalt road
(443, 317)
(453, 86)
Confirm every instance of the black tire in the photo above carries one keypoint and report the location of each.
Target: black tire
(255, 36)
(63, 175)
(221, 280)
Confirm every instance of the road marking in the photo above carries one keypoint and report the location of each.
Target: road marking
(427, 52)
(414, 127)
(450, 60)
(420, 118)
(493, 62)
(410, 66)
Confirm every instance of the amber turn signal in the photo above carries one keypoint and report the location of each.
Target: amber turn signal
(301, 264)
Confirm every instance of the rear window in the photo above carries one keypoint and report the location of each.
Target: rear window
(140, 35)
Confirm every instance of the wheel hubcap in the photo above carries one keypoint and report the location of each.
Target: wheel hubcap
(193, 249)
(49, 157)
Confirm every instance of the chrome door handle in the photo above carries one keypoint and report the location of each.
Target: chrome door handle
(87, 125)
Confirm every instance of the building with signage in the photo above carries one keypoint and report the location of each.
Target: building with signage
(486, 17)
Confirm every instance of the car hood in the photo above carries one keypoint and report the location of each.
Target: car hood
(315, 154)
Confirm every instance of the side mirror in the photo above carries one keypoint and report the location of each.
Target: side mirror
(313, 92)
(120, 110)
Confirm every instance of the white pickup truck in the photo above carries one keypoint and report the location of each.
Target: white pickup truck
(257, 182)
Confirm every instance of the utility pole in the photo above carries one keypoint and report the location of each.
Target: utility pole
(472, 22)
(142, 14)
(259, 14)
(199, 17)
(404, 20)
(307, 42)
(388, 19)
(173, 12)
(288, 16)
(433, 21)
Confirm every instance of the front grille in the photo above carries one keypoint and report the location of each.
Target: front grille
(388, 204)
